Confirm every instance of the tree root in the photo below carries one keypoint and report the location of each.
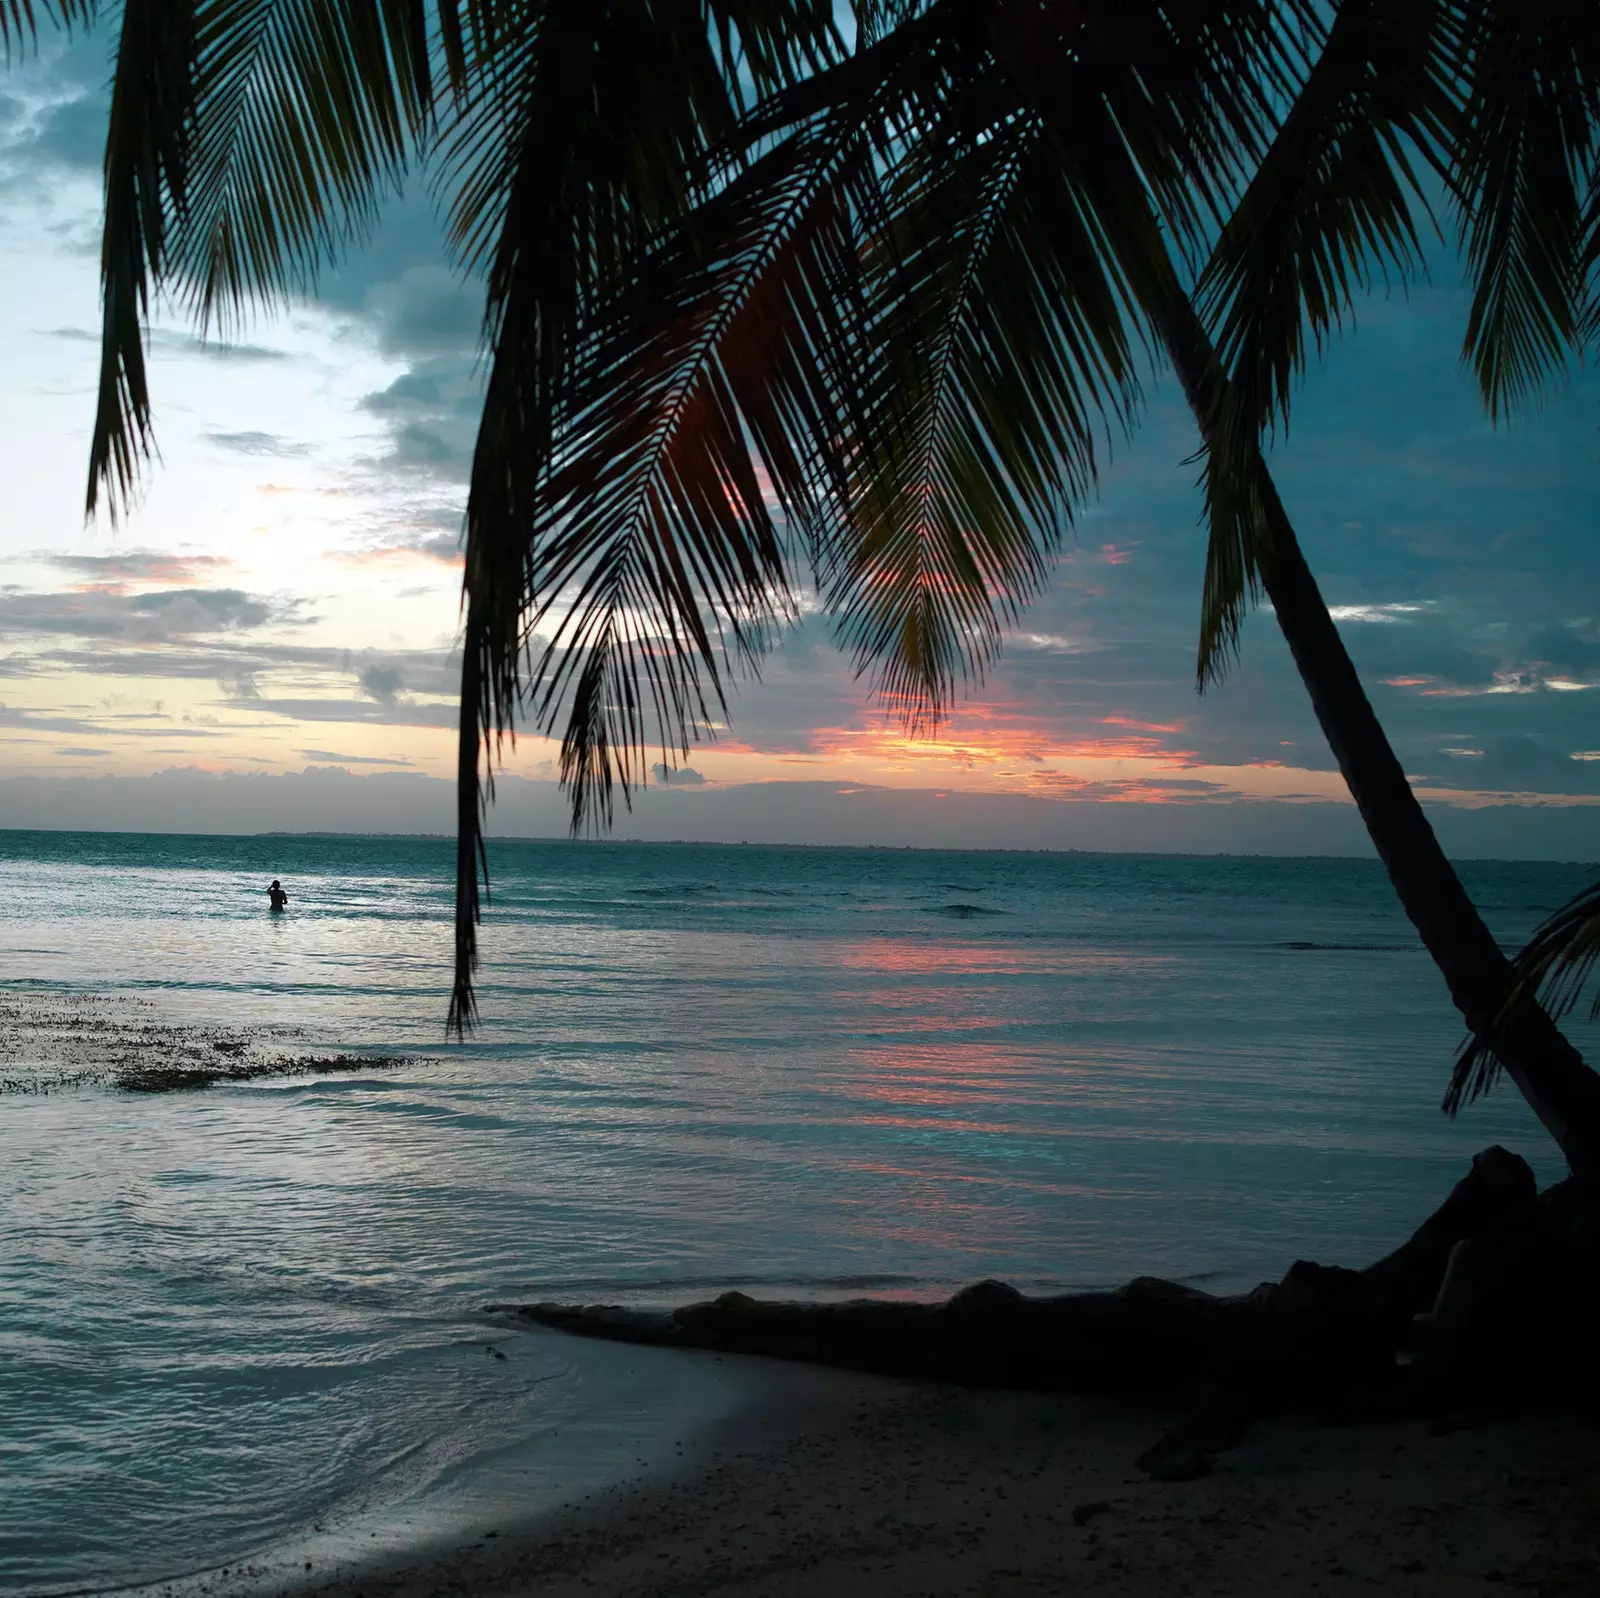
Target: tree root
(1483, 1280)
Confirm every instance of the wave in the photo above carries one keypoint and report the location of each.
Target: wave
(1346, 948)
(963, 912)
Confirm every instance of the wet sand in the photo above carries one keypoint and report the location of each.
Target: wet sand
(843, 1487)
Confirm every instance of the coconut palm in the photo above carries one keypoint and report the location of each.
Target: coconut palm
(913, 303)
(760, 303)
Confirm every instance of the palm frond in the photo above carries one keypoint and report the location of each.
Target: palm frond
(146, 168)
(304, 112)
(19, 19)
(580, 149)
(996, 350)
(249, 142)
(1551, 969)
(663, 545)
(1336, 197)
(1589, 261)
(1521, 175)
(1186, 92)
(1156, 119)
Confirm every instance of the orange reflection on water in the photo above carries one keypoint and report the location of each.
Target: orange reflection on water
(941, 958)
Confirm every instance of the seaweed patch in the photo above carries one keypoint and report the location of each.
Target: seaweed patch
(61, 1041)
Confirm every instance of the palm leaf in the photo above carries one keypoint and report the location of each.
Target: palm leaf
(146, 168)
(1552, 969)
(580, 150)
(665, 544)
(1037, 196)
(19, 19)
(1522, 177)
(1336, 197)
(996, 350)
(249, 142)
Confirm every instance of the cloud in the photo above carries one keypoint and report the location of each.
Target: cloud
(1394, 611)
(251, 443)
(418, 447)
(442, 548)
(241, 685)
(1521, 764)
(427, 310)
(42, 721)
(681, 777)
(73, 750)
(433, 671)
(403, 713)
(71, 134)
(170, 341)
(419, 389)
(329, 757)
(212, 349)
(383, 683)
(140, 618)
(140, 566)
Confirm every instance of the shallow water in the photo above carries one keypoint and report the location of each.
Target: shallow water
(230, 1316)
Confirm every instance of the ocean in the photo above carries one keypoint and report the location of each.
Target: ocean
(237, 1316)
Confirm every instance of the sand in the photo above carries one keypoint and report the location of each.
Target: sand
(837, 1486)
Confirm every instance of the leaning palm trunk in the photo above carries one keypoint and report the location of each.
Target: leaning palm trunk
(1563, 1091)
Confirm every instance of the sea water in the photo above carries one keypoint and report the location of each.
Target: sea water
(229, 1317)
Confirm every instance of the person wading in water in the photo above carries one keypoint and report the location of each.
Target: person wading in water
(276, 894)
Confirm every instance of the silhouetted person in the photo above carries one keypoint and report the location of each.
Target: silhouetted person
(276, 894)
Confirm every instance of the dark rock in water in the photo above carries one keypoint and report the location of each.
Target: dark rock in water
(184, 1078)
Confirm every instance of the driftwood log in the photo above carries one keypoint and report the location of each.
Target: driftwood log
(1463, 1301)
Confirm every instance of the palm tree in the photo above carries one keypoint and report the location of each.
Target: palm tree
(910, 278)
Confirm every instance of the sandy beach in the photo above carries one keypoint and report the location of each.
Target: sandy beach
(835, 1486)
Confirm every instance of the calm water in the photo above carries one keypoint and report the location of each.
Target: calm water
(230, 1315)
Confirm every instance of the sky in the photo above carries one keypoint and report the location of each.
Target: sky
(267, 642)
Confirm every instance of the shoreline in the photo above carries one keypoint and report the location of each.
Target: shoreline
(824, 1484)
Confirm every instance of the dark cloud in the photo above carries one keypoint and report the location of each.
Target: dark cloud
(418, 447)
(403, 713)
(429, 671)
(382, 683)
(71, 134)
(681, 777)
(1521, 764)
(414, 390)
(427, 310)
(240, 685)
(140, 618)
(73, 750)
(42, 721)
(432, 414)
(53, 115)
(1565, 648)
(140, 566)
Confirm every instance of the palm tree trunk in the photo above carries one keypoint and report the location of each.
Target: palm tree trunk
(1563, 1091)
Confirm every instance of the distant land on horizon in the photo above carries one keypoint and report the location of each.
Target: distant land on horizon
(332, 800)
